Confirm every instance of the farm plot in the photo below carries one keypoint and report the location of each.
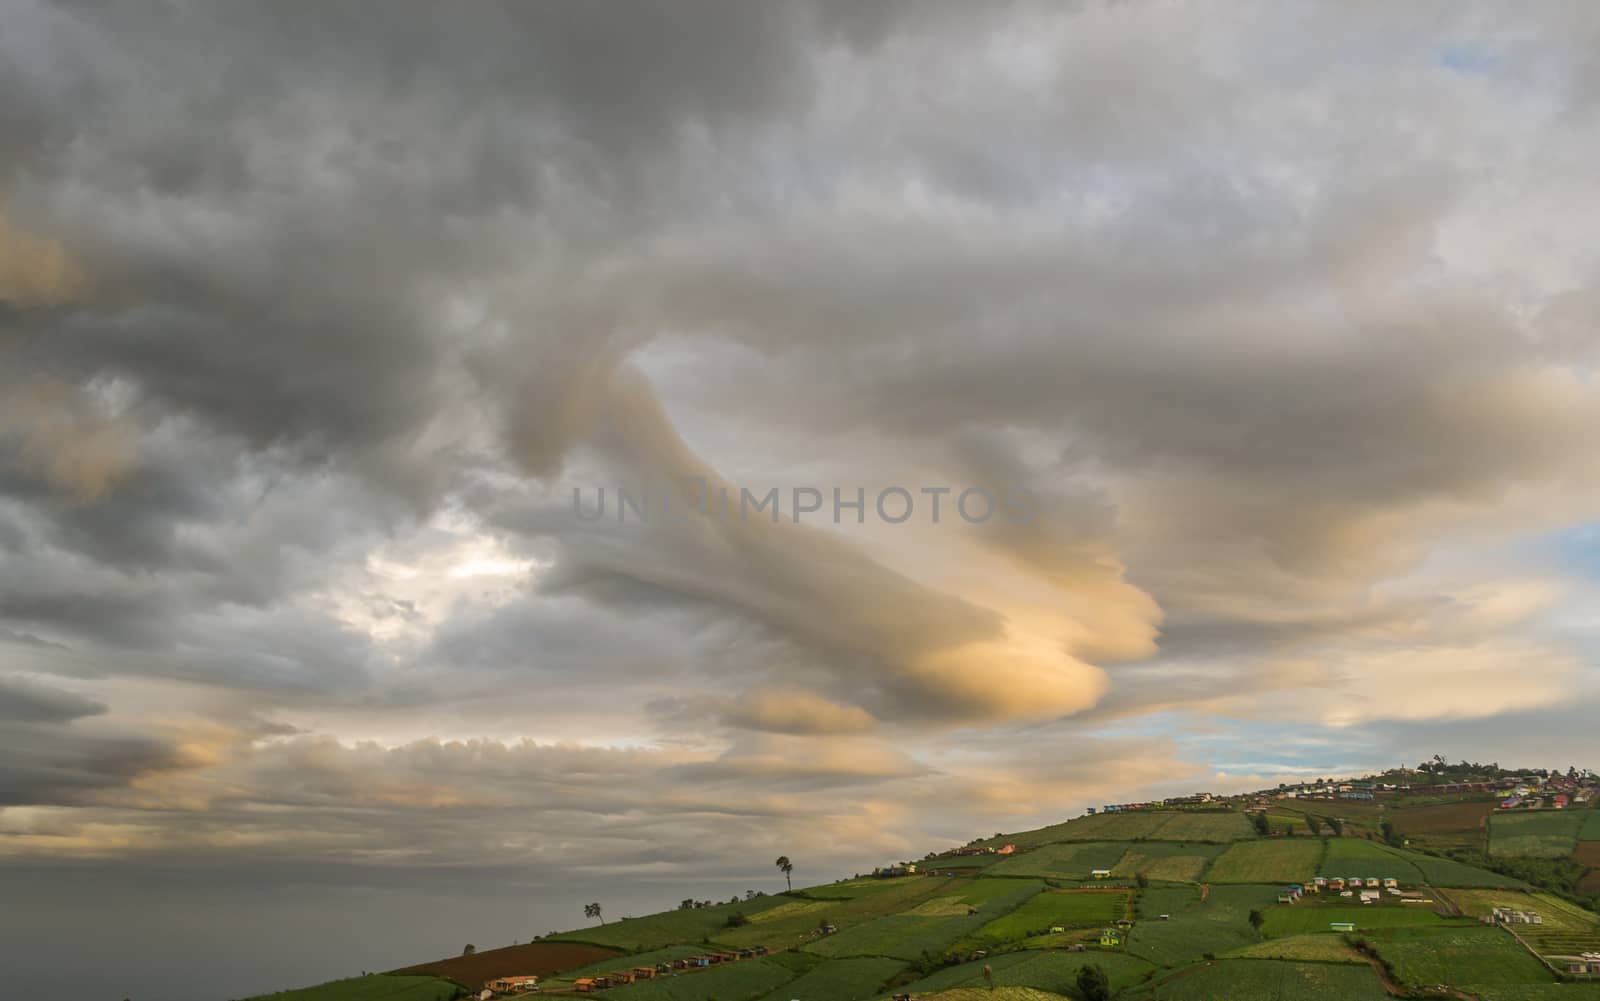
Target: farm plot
(375, 987)
(668, 927)
(746, 978)
(1590, 831)
(907, 935)
(1299, 919)
(787, 927)
(1270, 980)
(539, 958)
(1352, 857)
(1326, 947)
(839, 980)
(1565, 929)
(1205, 826)
(1218, 925)
(1285, 861)
(1447, 872)
(1159, 900)
(1166, 861)
(1537, 834)
(1444, 818)
(1075, 860)
(1476, 955)
(1063, 908)
(1050, 971)
(1535, 992)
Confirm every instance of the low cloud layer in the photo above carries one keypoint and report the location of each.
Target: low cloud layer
(311, 324)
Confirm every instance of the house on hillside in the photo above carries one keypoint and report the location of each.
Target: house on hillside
(1341, 926)
(585, 985)
(1110, 938)
(1390, 883)
(513, 985)
(1007, 850)
(1100, 873)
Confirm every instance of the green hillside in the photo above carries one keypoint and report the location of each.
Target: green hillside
(1214, 902)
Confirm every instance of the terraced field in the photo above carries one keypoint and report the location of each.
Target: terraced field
(1268, 980)
(1590, 831)
(1286, 860)
(1067, 860)
(1167, 861)
(1324, 947)
(669, 927)
(1217, 925)
(1535, 834)
(1298, 919)
(1053, 971)
(1478, 955)
(1132, 825)
(1444, 818)
(1353, 857)
(1063, 908)
(908, 935)
(839, 980)
(748, 978)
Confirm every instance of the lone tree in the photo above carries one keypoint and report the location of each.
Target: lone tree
(1315, 825)
(593, 911)
(1263, 826)
(1094, 984)
(469, 949)
(1257, 919)
(785, 867)
(1337, 826)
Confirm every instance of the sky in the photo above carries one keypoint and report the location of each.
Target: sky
(1269, 332)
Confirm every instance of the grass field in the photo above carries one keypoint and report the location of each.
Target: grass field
(1283, 861)
(1269, 980)
(1351, 857)
(997, 994)
(839, 980)
(1066, 908)
(1300, 919)
(377, 987)
(1461, 955)
(1536, 834)
(1567, 928)
(745, 979)
(1325, 947)
(1535, 992)
(1218, 925)
(1443, 818)
(1167, 861)
(1072, 860)
(1446, 872)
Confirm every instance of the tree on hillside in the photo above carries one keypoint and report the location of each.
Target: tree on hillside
(1257, 919)
(1315, 825)
(1336, 826)
(1093, 983)
(785, 867)
(1263, 826)
(469, 949)
(593, 911)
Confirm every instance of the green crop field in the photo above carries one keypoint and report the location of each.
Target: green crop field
(1167, 861)
(1153, 825)
(795, 923)
(650, 958)
(1062, 861)
(1298, 919)
(1326, 947)
(1218, 925)
(839, 980)
(1066, 908)
(1535, 992)
(1590, 831)
(1159, 900)
(1052, 971)
(744, 979)
(1536, 834)
(376, 987)
(1282, 861)
(669, 927)
(1352, 857)
(1269, 980)
(1477, 954)
(908, 935)
(1447, 872)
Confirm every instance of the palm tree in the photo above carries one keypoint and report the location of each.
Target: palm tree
(785, 867)
(593, 911)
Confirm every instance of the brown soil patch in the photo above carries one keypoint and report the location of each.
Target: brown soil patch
(537, 958)
(1443, 818)
(1587, 854)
